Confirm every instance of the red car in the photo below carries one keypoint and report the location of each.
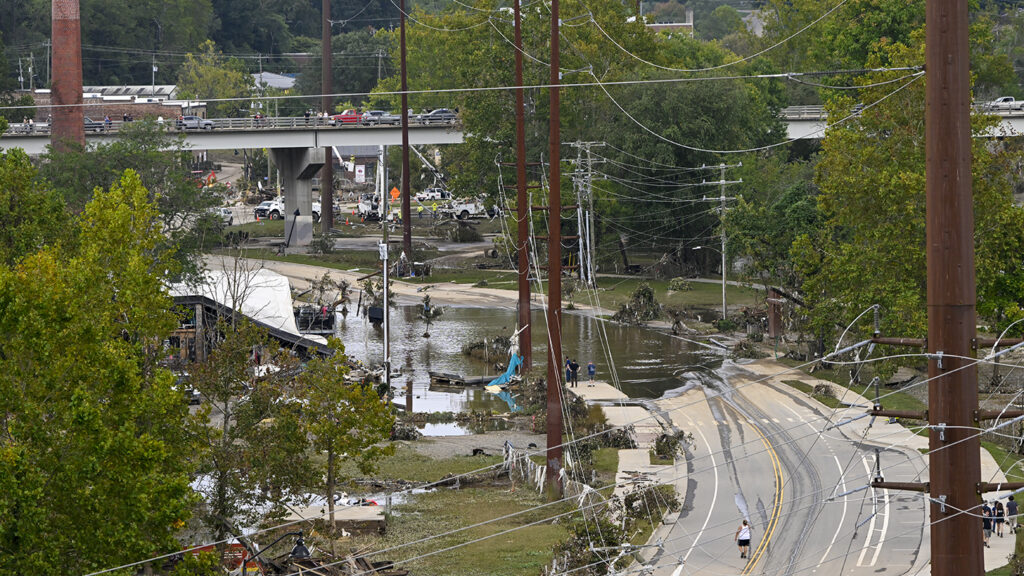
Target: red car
(346, 117)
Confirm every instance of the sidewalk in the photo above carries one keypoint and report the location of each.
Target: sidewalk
(635, 468)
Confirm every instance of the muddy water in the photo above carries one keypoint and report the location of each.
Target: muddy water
(648, 363)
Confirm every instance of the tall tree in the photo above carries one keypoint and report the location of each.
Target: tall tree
(93, 471)
(212, 75)
(163, 164)
(346, 420)
(870, 249)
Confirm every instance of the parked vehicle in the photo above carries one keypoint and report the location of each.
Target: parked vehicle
(433, 194)
(1007, 103)
(439, 116)
(275, 210)
(466, 209)
(193, 123)
(225, 214)
(350, 116)
(380, 118)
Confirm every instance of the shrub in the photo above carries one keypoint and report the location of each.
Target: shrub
(680, 284)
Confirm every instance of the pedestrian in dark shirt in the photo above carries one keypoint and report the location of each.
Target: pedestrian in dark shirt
(999, 516)
(574, 367)
(1011, 514)
(568, 371)
(986, 523)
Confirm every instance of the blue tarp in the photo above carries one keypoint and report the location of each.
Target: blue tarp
(513, 363)
(504, 379)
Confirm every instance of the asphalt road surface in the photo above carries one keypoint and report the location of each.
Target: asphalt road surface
(760, 453)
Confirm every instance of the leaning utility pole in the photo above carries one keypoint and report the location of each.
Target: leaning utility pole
(406, 203)
(554, 312)
(327, 172)
(522, 202)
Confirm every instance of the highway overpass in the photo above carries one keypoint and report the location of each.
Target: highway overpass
(236, 133)
(809, 122)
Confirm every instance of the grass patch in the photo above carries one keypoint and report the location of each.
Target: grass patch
(893, 400)
(520, 553)
(615, 292)
(1007, 461)
(494, 279)
(655, 459)
(606, 461)
(806, 388)
(407, 464)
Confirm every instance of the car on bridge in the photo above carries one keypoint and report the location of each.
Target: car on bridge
(350, 116)
(93, 125)
(380, 118)
(193, 123)
(439, 116)
(1006, 103)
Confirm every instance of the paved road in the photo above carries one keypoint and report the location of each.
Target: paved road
(760, 454)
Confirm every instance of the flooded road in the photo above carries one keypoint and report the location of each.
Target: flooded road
(647, 363)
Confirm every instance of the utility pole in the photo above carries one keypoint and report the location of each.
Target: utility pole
(522, 202)
(953, 459)
(554, 312)
(722, 182)
(406, 202)
(953, 414)
(327, 172)
(21, 77)
(584, 179)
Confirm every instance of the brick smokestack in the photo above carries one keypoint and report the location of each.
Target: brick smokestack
(68, 115)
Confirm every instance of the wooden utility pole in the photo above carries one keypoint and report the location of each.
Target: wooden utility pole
(554, 312)
(406, 204)
(954, 460)
(522, 202)
(327, 172)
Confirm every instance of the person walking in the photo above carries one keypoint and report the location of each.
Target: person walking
(574, 367)
(986, 523)
(568, 372)
(1011, 514)
(742, 538)
(591, 370)
(999, 517)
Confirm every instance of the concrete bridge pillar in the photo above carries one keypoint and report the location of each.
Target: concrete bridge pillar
(298, 166)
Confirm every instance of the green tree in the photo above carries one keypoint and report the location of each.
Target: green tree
(163, 164)
(871, 247)
(32, 214)
(724, 20)
(346, 420)
(212, 75)
(253, 445)
(93, 459)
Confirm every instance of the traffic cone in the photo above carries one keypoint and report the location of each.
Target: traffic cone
(346, 221)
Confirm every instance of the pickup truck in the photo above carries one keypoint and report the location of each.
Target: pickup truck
(433, 194)
(275, 210)
(465, 209)
(1006, 103)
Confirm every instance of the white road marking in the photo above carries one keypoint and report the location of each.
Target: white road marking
(711, 509)
(842, 484)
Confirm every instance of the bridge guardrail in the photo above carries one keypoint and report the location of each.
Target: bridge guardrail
(170, 124)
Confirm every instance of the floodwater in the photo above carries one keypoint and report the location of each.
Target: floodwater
(648, 363)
